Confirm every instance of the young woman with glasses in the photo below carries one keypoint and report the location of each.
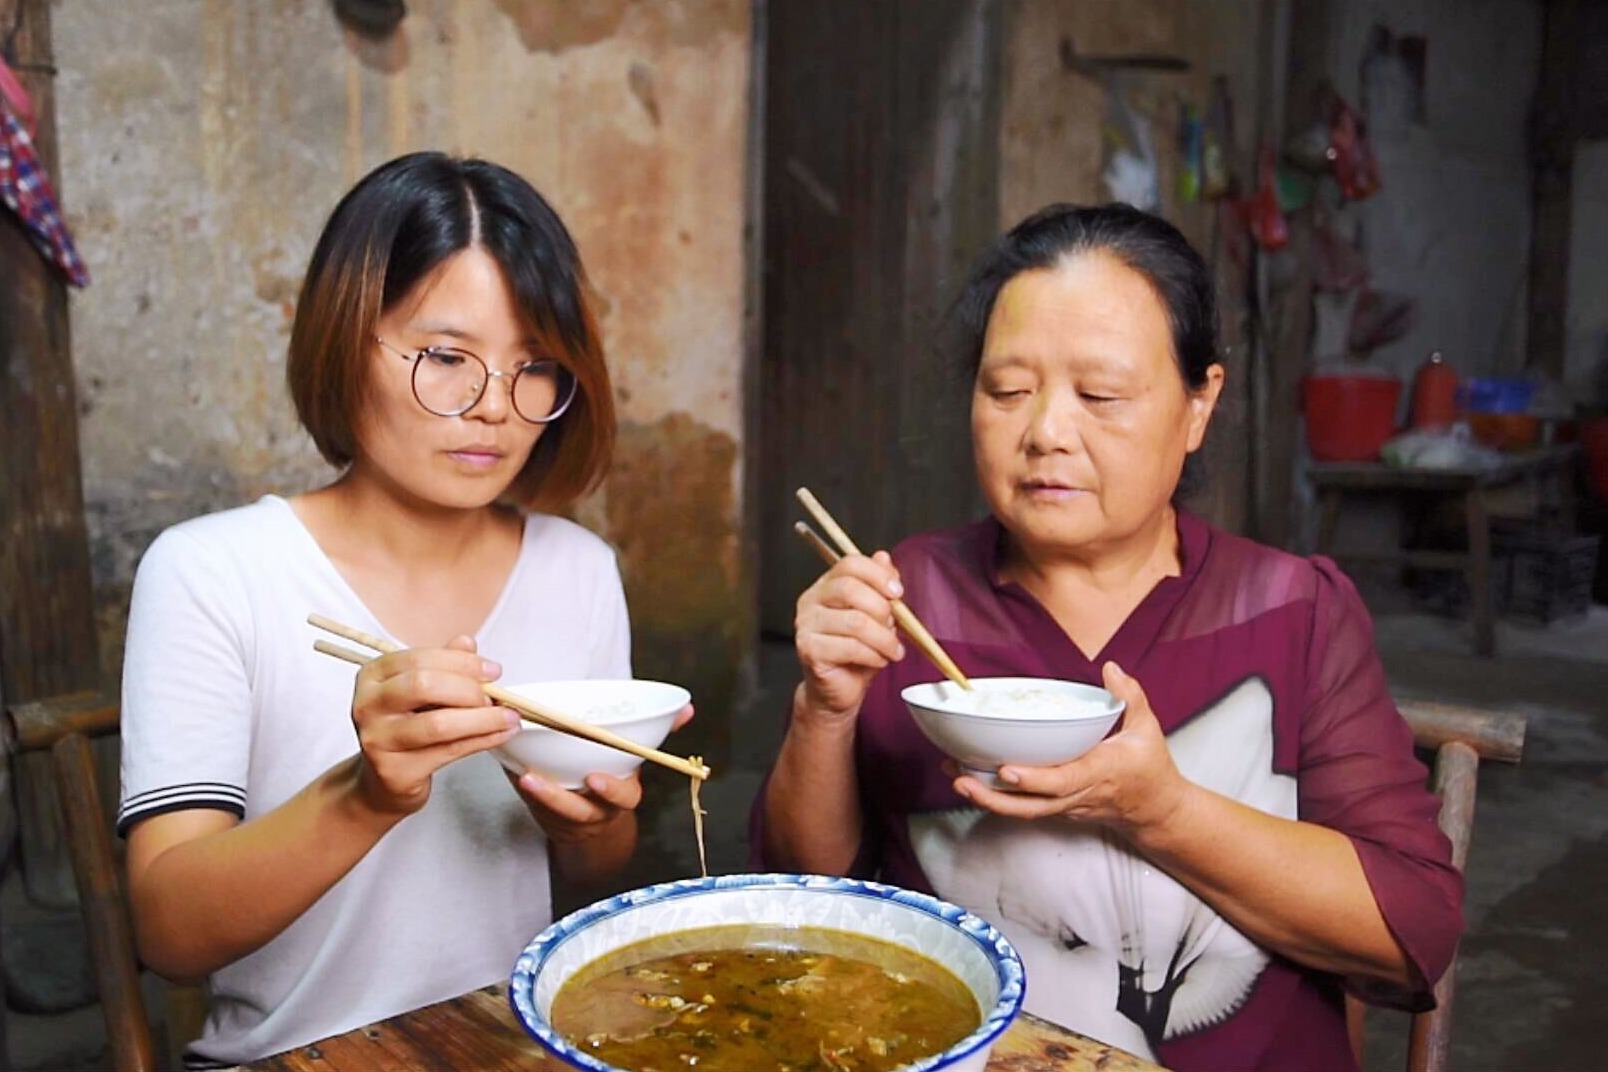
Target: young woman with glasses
(329, 854)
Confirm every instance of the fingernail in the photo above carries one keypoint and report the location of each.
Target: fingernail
(1115, 669)
(1009, 776)
(532, 782)
(511, 718)
(895, 589)
(490, 670)
(899, 654)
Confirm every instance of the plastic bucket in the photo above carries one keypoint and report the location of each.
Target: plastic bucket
(1349, 417)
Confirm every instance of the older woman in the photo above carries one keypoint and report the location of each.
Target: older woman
(1256, 836)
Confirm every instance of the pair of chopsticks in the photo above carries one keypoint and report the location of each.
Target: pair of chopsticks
(535, 712)
(901, 613)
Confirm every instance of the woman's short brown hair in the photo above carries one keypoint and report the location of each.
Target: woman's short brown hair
(392, 230)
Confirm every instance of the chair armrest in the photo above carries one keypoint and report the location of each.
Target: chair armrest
(38, 724)
(1497, 735)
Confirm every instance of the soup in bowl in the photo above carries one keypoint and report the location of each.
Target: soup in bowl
(737, 969)
(642, 711)
(1033, 721)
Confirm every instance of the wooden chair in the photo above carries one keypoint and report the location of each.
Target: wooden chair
(62, 727)
(1459, 737)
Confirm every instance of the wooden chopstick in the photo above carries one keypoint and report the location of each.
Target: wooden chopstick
(538, 713)
(901, 613)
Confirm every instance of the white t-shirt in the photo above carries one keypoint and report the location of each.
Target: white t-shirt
(226, 705)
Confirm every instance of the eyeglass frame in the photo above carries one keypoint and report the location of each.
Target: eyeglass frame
(485, 382)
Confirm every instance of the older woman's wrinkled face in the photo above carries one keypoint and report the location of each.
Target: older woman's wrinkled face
(1081, 419)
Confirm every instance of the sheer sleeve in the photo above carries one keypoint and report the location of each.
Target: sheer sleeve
(1360, 776)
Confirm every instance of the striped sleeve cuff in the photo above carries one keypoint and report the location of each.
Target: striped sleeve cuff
(213, 795)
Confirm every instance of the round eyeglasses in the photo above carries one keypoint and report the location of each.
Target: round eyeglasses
(448, 382)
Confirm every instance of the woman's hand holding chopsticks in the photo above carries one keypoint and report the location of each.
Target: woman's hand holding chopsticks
(845, 633)
(417, 710)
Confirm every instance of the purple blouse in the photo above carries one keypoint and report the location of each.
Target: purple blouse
(1261, 668)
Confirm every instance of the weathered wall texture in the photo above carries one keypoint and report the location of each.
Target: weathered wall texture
(1051, 146)
(203, 144)
(1050, 133)
(1451, 223)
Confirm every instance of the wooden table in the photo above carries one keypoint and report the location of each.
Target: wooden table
(478, 1031)
(1333, 481)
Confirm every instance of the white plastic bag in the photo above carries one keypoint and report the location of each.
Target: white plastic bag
(1445, 448)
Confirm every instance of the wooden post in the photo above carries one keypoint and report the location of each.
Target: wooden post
(48, 641)
(117, 973)
(1552, 144)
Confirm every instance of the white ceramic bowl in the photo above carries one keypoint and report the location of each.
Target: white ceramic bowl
(978, 954)
(640, 710)
(1032, 721)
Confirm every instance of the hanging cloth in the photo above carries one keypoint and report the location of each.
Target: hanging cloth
(12, 93)
(25, 190)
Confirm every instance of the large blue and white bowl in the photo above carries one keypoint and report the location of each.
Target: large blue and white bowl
(978, 954)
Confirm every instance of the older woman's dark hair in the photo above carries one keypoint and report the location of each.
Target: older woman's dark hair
(398, 225)
(1148, 244)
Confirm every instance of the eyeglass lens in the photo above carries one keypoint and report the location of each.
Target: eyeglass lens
(449, 382)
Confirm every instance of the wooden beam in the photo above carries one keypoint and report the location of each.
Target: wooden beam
(48, 642)
(49, 645)
(1554, 133)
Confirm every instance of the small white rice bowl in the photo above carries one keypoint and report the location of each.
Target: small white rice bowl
(639, 710)
(1028, 721)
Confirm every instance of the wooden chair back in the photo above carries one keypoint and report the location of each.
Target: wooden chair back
(63, 728)
(1460, 737)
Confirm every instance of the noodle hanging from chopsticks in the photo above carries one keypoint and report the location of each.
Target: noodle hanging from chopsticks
(697, 820)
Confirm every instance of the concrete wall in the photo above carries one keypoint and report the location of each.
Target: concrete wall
(1451, 224)
(203, 144)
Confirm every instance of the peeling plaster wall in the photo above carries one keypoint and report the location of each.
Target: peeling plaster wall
(204, 142)
(1050, 134)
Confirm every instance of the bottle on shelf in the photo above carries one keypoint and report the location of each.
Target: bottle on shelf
(1434, 394)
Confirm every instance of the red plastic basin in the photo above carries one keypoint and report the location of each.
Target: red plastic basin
(1348, 418)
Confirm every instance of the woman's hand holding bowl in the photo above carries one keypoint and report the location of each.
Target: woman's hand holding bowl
(417, 710)
(844, 632)
(1127, 782)
(569, 816)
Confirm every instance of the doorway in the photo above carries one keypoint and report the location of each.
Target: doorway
(881, 175)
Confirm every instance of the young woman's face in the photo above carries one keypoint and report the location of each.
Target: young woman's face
(460, 462)
(1080, 418)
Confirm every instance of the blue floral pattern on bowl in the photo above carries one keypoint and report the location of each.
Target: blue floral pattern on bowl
(969, 946)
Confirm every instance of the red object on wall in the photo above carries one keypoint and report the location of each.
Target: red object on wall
(1349, 416)
(1434, 394)
(1594, 441)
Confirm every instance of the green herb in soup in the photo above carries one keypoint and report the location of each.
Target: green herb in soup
(743, 997)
